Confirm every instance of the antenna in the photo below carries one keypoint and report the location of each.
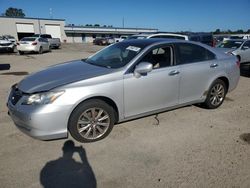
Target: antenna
(51, 13)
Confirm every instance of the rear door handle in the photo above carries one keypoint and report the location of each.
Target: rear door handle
(174, 72)
(214, 65)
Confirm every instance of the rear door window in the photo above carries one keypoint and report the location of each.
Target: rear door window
(191, 53)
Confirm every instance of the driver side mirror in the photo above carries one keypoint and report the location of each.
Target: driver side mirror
(143, 68)
(245, 47)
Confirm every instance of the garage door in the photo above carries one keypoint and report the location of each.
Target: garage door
(25, 28)
(53, 30)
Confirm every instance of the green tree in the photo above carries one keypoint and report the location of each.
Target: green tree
(240, 31)
(14, 12)
(217, 31)
(97, 25)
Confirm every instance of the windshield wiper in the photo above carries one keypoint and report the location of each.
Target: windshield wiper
(92, 63)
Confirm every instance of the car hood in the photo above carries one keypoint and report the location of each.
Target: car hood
(59, 75)
(4, 42)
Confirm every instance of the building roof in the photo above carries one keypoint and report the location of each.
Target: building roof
(31, 18)
(111, 30)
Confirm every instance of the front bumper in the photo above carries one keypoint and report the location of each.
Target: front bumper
(6, 48)
(43, 122)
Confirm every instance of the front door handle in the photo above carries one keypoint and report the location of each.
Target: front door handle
(214, 65)
(174, 72)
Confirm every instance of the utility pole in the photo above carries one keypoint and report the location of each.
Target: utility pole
(50, 13)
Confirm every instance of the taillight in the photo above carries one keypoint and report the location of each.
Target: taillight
(34, 43)
(213, 43)
(238, 63)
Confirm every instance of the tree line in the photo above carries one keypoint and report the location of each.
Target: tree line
(239, 31)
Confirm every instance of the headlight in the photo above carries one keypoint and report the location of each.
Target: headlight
(42, 98)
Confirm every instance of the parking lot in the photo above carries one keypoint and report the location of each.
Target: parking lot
(190, 147)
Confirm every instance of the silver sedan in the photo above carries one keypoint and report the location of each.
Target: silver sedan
(124, 81)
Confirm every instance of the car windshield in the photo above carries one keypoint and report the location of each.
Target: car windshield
(36, 35)
(230, 44)
(8, 36)
(28, 39)
(115, 56)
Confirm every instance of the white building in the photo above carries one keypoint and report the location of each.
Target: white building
(78, 34)
(24, 27)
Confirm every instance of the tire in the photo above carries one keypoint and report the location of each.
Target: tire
(91, 121)
(20, 52)
(40, 50)
(50, 49)
(216, 94)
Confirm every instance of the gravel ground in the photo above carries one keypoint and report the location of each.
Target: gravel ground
(191, 147)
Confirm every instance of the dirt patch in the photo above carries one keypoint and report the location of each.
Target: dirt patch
(245, 137)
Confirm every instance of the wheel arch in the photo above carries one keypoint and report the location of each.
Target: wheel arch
(225, 80)
(107, 100)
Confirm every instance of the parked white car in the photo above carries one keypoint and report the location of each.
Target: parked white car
(238, 47)
(6, 45)
(159, 35)
(205, 38)
(33, 44)
(121, 38)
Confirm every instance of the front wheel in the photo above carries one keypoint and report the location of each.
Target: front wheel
(216, 94)
(91, 121)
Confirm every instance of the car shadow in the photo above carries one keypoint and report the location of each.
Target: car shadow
(245, 70)
(66, 172)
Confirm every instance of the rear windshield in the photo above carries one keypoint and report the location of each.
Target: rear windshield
(28, 39)
(230, 44)
(36, 35)
(236, 37)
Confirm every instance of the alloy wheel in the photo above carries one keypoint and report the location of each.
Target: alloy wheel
(93, 123)
(217, 94)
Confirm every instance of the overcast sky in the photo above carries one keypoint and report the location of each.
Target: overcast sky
(165, 15)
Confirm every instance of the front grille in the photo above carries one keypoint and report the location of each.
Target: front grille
(15, 95)
(6, 44)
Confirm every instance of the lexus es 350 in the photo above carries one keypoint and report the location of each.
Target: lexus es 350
(126, 80)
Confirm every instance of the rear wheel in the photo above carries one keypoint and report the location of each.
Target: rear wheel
(91, 121)
(40, 50)
(216, 94)
(20, 52)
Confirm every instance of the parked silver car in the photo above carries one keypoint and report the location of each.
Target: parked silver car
(238, 47)
(123, 81)
(33, 44)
